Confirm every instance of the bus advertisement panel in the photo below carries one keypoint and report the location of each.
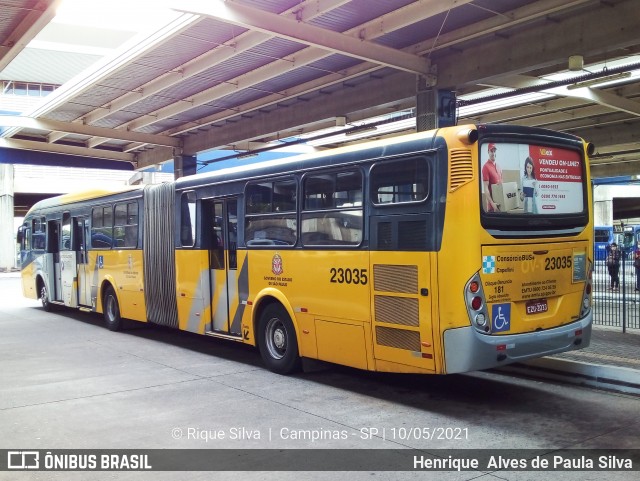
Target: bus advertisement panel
(532, 179)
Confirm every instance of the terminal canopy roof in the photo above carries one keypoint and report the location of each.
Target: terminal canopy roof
(184, 77)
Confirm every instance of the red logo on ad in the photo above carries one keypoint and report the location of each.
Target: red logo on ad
(276, 265)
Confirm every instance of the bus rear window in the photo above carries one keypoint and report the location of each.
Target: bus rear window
(531, 179)
(399, 181)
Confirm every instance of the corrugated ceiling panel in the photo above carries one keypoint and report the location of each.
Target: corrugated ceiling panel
(356, 13)
(188, 116)
(213, 31)
(225, 71)
(158, 127)
(430, 27)
(68, 112)
(47, 66)
(273, 6)
(277, 48)
(131, 77)
(117, 119)
(98, 96)
(333, 63)
(195, 41)
(11, 14)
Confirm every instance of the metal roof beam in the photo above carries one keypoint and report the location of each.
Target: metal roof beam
(125, 55)
(309, 8)
(392, 21)
(514, 17)
(524, 51)
(464, 66)
(298, 31)
(379, 91)
(66, 149)
(78, 128)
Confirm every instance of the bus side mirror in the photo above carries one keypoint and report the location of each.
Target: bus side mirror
(19, 235)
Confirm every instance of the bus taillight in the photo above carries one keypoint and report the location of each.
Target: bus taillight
(476, 303)
(481, 320)
(476, 306)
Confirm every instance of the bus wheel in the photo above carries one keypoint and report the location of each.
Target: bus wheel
(111, 310)
(44, 298)
(277, 342)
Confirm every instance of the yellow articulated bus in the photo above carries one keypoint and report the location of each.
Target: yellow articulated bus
(454, 250)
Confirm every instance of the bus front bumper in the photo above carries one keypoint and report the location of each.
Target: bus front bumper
(466, 349)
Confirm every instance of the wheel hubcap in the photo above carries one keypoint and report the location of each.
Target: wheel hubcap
(276, 338)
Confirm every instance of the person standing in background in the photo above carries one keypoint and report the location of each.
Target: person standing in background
(613, 265)
(636, 266)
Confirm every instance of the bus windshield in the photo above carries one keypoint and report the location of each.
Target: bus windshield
(531, 179)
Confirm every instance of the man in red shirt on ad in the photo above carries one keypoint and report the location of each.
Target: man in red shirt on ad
(491, 175)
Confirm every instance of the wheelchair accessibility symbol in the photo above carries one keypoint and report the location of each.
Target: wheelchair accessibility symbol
(501, 317)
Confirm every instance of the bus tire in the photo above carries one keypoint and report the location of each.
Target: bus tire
(277, 342)
(111, 310)
(44, 298)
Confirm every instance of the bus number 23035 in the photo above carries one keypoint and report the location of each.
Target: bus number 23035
(348, 276)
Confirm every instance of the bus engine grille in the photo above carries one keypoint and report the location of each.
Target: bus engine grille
(398, 338)
(397, 310)
(394, 278)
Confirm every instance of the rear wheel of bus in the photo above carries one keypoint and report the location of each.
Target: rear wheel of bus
(111, 309)
(277, 342)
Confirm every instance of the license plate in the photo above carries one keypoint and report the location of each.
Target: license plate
(538, 306)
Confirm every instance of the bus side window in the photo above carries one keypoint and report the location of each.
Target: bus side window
(217, 245)
(188, 219)
(25, 244)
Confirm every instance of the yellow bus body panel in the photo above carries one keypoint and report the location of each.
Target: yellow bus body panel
(192, 284)
(548, 277)
(123, 269)
(331, 318)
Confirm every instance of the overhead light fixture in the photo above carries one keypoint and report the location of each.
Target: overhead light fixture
(360, 130)
(598, 81)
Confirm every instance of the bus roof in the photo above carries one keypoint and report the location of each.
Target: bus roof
(310, 160)
(82, 195)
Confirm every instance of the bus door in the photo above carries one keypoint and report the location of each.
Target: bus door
(80, 238)
(223, 265)
(68, 263)
(54, 267)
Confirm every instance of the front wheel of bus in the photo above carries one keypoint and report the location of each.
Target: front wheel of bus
(44, 298)
(111, 310)
(278, 343)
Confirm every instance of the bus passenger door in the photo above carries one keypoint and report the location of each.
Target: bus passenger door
(68, 263)
(80, 237)
(223, 266)
(54, 270)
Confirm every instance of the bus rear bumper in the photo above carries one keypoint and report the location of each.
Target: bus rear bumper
(466, 349)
